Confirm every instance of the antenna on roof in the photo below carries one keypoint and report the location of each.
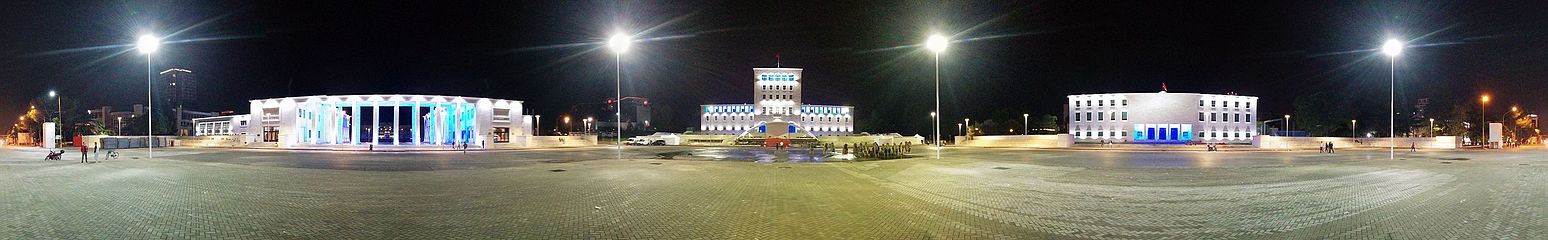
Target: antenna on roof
(776, 60)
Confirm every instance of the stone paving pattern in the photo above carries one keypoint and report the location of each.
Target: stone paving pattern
(969, 194)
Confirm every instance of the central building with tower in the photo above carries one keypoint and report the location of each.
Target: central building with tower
(777, 111)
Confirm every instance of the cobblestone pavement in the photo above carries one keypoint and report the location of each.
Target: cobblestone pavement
(587, 193)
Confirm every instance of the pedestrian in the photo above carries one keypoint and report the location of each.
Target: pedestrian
(1413, 147)
(94, 148)
(83, 153)
(1330, 147)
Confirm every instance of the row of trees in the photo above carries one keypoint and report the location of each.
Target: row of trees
(76, 121)
(1324, 114)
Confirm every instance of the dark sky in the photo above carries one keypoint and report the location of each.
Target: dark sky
(1018, 56)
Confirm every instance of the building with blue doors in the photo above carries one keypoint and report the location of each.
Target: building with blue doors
(376, 121)
(1162, 118)
(776, 100)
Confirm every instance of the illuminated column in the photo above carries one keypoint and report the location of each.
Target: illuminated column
(376, 123)
(354, 123)
(456, 124)
(395, 129)
(414, 125)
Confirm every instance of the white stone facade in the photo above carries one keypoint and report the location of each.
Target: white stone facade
(777, 97)
(1162, 118)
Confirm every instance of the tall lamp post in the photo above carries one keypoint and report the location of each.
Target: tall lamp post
(1483, 126)
(120, 126)
(148, 44)
(1352, 129)
(618, 43)
(1024, 124)
(59, 113)
(1287, 124)
(934, 133)
(1392, 48)
(1432, 127)
(937, 44)
(537, 125)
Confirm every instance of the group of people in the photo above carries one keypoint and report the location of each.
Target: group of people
(1327, 147)
(85, 158)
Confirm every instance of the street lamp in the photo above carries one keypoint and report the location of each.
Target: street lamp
(537, 125)
(120, 126)
(567, 129)
(618, 43)
(933, 131)
(58, 112)
(1432, 127)
(1287, 124)
(1024, 124)
(148, 44)
(967, 124)
(937, 44)
(1483, 109)
(1392, 48)
(1352, 129)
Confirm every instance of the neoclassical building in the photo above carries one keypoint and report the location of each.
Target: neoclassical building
(777, 111)
(1162, 117)
(349, 121)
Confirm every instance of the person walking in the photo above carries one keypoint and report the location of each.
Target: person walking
(94, 148)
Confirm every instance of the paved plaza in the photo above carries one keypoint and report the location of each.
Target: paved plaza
(722, 193)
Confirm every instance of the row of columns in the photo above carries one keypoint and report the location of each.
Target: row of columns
(449, 123)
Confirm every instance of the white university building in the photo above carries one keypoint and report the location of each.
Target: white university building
(1162, 118)
(777, 110)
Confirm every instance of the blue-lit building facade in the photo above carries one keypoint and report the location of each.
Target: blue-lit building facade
(380, 120)
(777, 99)
(1162, 118)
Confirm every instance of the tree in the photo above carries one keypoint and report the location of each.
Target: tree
(1319, 115)
(1045, 124)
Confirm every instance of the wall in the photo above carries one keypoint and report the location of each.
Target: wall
(121, 142)
(1032, 141)
(1278, 142)
(209, 141)
(548, 141)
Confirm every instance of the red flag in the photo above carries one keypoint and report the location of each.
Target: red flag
(1163, 86)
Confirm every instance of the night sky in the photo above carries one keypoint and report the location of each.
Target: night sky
(1019, 56)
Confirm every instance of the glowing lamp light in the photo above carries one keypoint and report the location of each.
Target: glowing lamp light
(147, 44)
(618, 43)
(1392, 47)
(936, 43)
(51, 93)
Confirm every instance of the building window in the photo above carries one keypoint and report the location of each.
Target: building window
(1112, 102)
(1238, 117)
(502, 135)
(1100, 118)
(1125, 116)
(1088, 102)
(1238, 104)
(1201, 103)
(1249, 105)
(1088, 116)
(1211, 103)
(1125, 103)
(1077, 103)
(1099, 103)
(1201, 116)
(1212, 117)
